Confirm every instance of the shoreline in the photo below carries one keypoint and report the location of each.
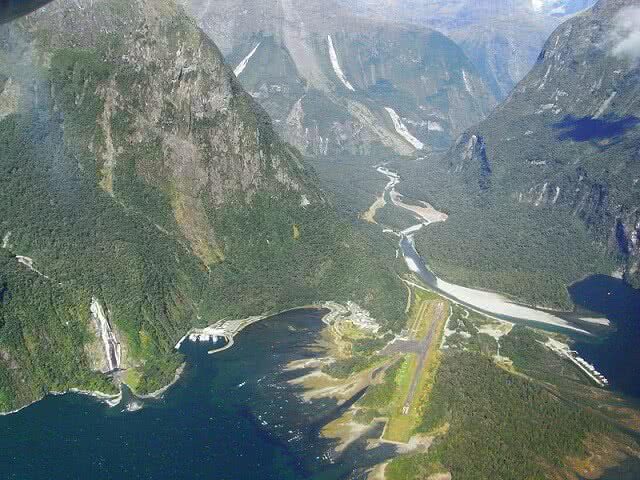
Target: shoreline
(11, 412)
(111, 400)
(158, 393)
(230, 328)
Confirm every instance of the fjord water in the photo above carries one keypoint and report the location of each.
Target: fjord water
(231, 416)
(615, 351)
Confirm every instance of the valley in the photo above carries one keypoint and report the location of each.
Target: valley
(312, 242)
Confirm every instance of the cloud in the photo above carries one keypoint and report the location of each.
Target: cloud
(625, 36)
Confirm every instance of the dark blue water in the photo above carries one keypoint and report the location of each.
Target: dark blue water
(231, 416)
(616, 352)
(12, 9)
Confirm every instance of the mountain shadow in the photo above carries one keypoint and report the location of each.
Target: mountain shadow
(594, 129)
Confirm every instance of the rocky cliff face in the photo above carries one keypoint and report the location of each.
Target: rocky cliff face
(158, 83)
(327, 77)
(501, 37)
(568, 136)
(136, 170)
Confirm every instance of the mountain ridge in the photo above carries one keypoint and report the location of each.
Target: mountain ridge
(559, 155)
(138, 174)
(352, 68)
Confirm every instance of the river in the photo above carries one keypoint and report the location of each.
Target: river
(612, 349)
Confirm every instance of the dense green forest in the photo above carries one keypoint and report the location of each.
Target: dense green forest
(532, 254)
(43, 330)
(153, 286)
(116, 235)
(529, 254)
(498, 425)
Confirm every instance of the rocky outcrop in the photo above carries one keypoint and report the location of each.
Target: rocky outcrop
(567, 137)
(502, 38)
(164, 88)
(328, 77)
(137, 170)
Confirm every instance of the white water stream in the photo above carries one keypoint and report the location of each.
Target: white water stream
(109, 341)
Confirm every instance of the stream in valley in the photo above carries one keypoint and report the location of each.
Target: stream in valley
(612, 349)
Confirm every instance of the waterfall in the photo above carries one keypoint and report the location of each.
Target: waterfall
(109, 340)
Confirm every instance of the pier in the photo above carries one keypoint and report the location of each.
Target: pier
(589, 370)
(226, 329)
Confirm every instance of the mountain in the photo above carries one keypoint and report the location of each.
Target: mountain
(144, 192)
(562, 151)
(502, 38)
(334, 82)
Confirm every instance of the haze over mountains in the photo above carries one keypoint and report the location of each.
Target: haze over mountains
(155, 179)
(136, 171)
(501, 37)
(335, 82)
(563, 148)
(568, 136)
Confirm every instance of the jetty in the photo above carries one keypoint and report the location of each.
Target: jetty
(588, 369)
(224, 329)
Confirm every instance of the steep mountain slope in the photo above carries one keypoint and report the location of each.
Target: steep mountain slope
(334, 82)
(502, 38)
(564, 146)
(139, 179)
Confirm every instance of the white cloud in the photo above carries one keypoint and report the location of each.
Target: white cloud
(626, 34)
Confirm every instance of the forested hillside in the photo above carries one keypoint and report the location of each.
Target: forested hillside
(547, 187)
(134, 169)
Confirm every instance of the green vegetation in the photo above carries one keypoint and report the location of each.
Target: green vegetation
(390, 395)
(465, 323)
(417, 465)
(82, 239)
(270, 269)
(43, 330)
(542, 192)
(345, 367)
(500, 425)
(525, 348)
(370, 345)
(380, 396)
(531, 254)
(125, 243)
(427, 317)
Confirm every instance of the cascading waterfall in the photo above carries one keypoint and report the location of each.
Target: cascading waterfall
(109, 341)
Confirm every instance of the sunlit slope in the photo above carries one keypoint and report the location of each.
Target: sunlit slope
(557, 162)
(135, 169)
(350, 70)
